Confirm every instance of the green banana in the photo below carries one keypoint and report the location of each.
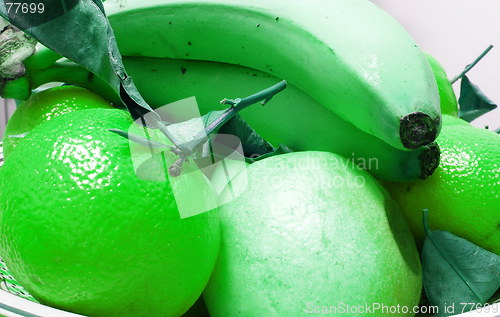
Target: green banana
(292, 117)
(348, 55)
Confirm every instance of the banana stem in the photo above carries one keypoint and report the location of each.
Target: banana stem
(70, 73)
(19, 87)
(42, 59)
(470, 66)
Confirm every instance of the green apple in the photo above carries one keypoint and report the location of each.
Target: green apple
(311, 232)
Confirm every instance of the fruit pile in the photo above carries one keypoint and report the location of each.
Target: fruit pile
(119, 198)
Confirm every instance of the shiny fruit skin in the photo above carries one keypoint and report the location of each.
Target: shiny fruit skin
(82, 233)
(463, 194)
(47, 105)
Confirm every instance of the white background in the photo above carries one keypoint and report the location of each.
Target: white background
(456, 32)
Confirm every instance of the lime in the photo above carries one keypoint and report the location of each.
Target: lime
(47, 105)
(81, 232)
(463, 194)
(310, 232)
(448, 100)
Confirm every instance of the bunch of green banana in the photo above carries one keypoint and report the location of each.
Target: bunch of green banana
(347, 94)
(292, 118)
(348, 55)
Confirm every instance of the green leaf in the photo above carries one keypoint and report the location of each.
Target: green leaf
(59, 27)
(473, 103)
(254, 146)
(456, 271)
(496, 297)
(212, 117)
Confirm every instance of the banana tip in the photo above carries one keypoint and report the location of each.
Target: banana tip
(418, 129)
(429, 160)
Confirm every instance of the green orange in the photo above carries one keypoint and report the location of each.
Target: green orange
(448, 100)
(46, 105)
(81, 232)
(463, 194)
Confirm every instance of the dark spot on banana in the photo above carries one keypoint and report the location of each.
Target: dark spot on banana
(429, 160)
(417, 129)
(183, 70)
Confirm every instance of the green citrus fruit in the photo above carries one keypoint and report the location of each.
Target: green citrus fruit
(47, 105)
(81, 232)
(463, 194)
(309, 231)
(452, 120)
(448, 100)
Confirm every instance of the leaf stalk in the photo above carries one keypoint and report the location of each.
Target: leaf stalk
(470, 66)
